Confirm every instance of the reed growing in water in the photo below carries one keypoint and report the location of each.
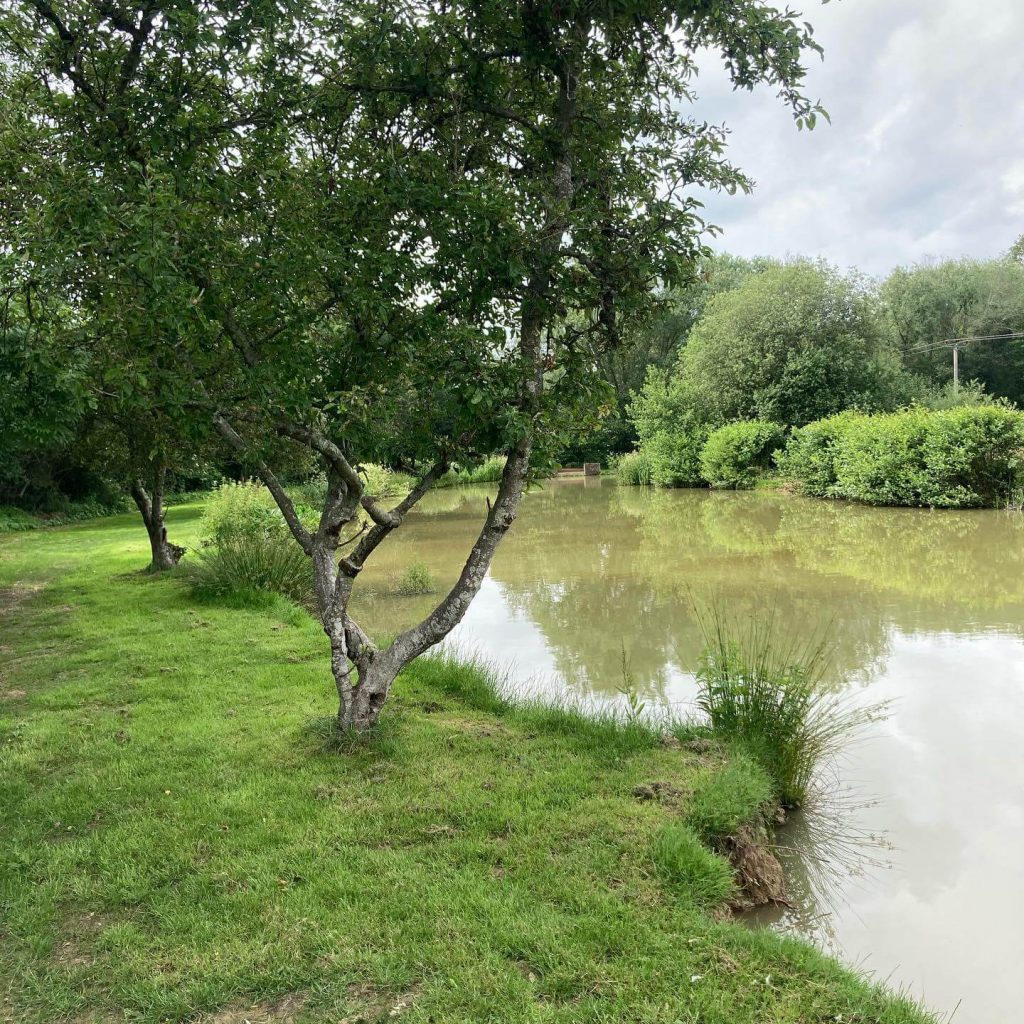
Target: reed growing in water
(766, 691)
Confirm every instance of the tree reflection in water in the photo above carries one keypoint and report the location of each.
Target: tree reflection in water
(593, 568)
(926, 608)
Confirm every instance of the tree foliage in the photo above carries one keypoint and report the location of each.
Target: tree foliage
(792, 344)
(655, 342)
(929, 303)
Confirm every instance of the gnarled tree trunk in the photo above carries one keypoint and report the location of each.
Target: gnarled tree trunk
(164, 554)
(363, 673)
(360, 702)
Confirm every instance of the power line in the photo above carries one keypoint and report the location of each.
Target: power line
(956, 343)
(964, 341)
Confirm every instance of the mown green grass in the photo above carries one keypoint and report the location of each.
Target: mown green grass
(183, 838)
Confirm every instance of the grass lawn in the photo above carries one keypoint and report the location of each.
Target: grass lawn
(183, 840)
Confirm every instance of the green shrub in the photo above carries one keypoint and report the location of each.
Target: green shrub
(16, 519)
(965, 457)
(246, 547)
(765, 692)
(671, 436)
(735, 455)
(239, 510)
(972, 456)
(810, 454)
(270, 563)
(879, 459)
(953, 396)
(417, 579)
(674, 456)
(633, 469)
(67, 512)
(690, 868)
(489, 471)
(382, 482)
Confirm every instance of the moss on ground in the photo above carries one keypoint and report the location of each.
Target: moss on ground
(185, 839)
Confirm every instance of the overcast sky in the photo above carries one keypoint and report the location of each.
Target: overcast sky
(925, 153)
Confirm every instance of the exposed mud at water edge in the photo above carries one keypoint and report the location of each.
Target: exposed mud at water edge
(759, 873)
(923, 608)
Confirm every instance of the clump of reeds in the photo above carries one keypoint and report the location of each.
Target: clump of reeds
(417, 579)
(765, 690)
(633, 469)
(259, 563)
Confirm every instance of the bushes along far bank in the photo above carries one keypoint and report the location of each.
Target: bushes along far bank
(968, 457)
(735, 455)
(965, 457)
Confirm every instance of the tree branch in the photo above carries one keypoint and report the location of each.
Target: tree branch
(352, 565)
(324, 446)
(284, 503)
(449, 612)
(335, 457)
(236, 335)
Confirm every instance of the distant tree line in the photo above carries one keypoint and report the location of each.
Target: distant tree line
(794, 341)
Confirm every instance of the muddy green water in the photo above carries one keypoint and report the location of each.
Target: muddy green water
(916, 873)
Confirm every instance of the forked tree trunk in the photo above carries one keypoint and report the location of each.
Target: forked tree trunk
(164, 554)
(364, 673)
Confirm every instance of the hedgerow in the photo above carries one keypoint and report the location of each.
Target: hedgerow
(954, 458)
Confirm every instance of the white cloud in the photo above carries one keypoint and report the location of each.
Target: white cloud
(925, 153)
(1013, 185)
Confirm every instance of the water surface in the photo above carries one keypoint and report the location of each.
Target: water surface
(923, 608)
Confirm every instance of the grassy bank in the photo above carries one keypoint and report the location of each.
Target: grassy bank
(183, 840)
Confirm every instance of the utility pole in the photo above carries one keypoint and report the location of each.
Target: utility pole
(956, 343)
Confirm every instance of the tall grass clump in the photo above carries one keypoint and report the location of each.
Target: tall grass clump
(489, 471)
(765, 692)
(690, 868)
(246, 547)
(633, 469)
(269, 563)
(417, 579)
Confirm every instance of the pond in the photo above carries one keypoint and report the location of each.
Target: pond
(914, 871)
